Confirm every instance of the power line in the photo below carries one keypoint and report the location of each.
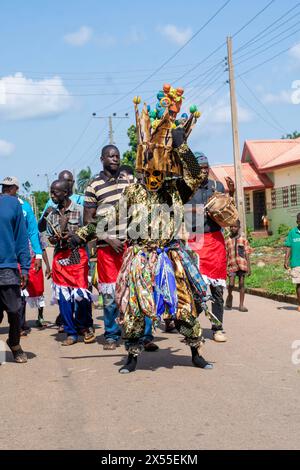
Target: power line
(75, 143)
(267, 48)
(263, 32)
(172, 56)
(264, 62)
(263, 106)
(258, 113)
(224, 43)
(253, 19)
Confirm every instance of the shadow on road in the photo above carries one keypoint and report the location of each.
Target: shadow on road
(289, 308)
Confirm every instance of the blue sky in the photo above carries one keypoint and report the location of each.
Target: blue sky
(62, 61)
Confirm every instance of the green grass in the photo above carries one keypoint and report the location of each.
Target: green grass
(273, 278)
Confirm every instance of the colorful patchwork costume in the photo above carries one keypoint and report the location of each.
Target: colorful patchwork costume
(159, 277)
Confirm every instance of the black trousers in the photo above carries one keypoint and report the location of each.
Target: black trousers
(22, 313)
(10, 302)
(218, 304)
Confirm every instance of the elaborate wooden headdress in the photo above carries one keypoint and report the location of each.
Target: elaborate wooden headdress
(154, 131)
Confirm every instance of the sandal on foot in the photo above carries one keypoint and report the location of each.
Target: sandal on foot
(19, 355)
(69, 341)
(243, 309)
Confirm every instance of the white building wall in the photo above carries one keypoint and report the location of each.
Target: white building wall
(286, 176)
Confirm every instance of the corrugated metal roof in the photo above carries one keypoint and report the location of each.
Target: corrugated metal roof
(251, 178)
(267, 154)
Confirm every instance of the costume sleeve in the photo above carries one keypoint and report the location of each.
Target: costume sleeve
(21, 241)
(192, 175)
(33, 232)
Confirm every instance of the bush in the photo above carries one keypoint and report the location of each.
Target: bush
(274, 241)
(283, 230)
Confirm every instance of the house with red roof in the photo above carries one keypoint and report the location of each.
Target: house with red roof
(271, 181)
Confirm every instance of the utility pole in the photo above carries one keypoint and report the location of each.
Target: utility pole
(111, 131)
(110, 124)
(47, 180)
(236, 143)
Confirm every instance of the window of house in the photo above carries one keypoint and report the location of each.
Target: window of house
(247, 203)
(274, 198)
(285, 196)
(295, 194)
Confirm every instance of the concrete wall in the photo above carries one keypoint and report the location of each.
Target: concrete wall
(286, 215)
(286, 176)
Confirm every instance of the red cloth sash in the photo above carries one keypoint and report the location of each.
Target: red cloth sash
(75, 275)
(35, 286)
(212, 254)
(108, 264)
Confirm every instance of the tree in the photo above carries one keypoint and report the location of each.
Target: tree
(41, 198)
(129, 156)
(294, 135)
(83, 179)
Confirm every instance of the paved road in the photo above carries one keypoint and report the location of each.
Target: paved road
(74, 398)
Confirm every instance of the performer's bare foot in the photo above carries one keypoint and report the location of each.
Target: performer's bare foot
(199, 361)
(130, 365)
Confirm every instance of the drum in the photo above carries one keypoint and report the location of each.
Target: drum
(221, 208)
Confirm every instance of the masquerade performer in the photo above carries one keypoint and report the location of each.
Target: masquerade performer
(159, 277)
(70, 265)
(210, 248)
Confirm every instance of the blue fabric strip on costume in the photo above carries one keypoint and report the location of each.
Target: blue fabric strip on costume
(192, 272)
(165, 294)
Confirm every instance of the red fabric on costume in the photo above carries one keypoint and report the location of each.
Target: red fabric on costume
(35, 286)
(212, 254)
(75, 275)
(108, 264)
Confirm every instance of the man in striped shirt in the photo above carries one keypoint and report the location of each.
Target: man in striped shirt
(105, 189)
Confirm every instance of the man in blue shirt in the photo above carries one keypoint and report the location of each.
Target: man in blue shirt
(14, 251)
(11, 187)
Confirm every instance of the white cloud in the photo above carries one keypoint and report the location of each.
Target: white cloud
(177, 35)
(295, 51)
(80, 37)
(283, 97)
(222, 115)
(6, 148)
(26, 98)
(134, 36)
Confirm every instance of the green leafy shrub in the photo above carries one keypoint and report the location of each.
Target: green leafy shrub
(283, 230)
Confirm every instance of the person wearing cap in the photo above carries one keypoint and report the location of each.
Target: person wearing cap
(14, 264)
(35, 288)
(210, 247)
